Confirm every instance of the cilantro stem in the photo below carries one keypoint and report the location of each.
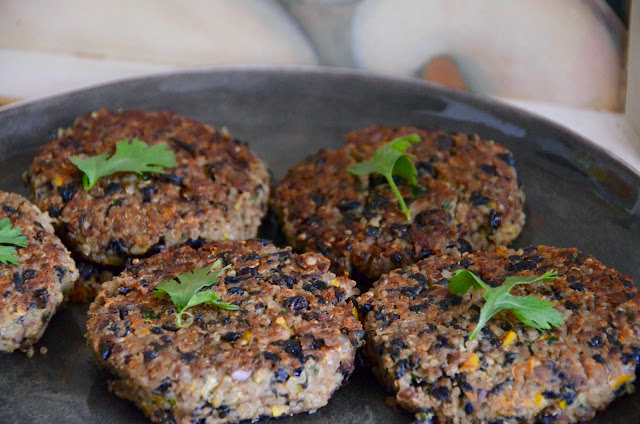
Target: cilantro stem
(394, 188)
(184, 324)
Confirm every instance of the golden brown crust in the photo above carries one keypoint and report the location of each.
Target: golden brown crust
(418, 337)
(468, 198)
(218, 191)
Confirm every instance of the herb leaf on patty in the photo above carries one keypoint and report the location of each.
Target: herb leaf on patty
(193, 289)
(10, 237)
(390, 160)
(533, 312)
(131, 156)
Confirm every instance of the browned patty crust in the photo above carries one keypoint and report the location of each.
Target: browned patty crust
(32, 290)
(417, 334)
(218, 191)
(286, 350)
(467, 199)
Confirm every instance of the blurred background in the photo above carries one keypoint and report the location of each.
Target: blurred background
(575, 61)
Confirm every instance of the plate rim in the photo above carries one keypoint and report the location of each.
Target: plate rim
(485, 102)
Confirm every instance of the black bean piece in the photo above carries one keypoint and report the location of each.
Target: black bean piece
(122, 312)
(441, 393)
(111, 188)
(149, 355)
(124, 290)
(397, 257)
(157, 330)
(298, 372)
(116, 247)
(419, 308)
(468, 408)
(166, 383)
(236, 290)
(508, 159)
(318, 198)
(29, 274)
(231, 279)
(569, 397)
(67, 192)
(444, 142)
(463, 246)
(54, 211)
(348, 204)
(509, 358)
(271, 357)
(489, 170)
(171, 328)
(281, 375)
(598, 358)
(455, 299)
(195, 244)
(372, 231)
(7, 208)
(478, 199)
(596, 341)
(570, 305)
(293, 348)
(172, 179)
(188, 357)
(401, 368)
(231, 336)
(18, 283)
(296, 303)
(105, 350)
(425, 168)
(494, 219)
(548, 419)
(147, 194)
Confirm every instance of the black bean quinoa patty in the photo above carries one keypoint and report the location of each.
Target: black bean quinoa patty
(417, 334)
(218, 191)
(468, 198)
(32, 290)
(286, 350)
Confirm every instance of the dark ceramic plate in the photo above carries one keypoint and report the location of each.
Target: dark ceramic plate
(577, 195)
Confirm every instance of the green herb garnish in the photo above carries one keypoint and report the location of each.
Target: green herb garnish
(130, 156)
(10, 237)
(390, 160)
(193, 289)
(533, 312)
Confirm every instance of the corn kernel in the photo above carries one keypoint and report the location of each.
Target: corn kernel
(246, 335)
(282, 322)
(471, 363)
(618, 382)
(539, 399)
(545, 336)
(509, 337)
(225, 236)
(562, 404)
(355, 313)
(277, 410)
(57, 181)
(335, 283)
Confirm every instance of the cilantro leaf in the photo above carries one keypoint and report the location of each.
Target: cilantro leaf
(10, 237)
(533, 312)
(390, 160)
(192, 289)
(130, 156)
